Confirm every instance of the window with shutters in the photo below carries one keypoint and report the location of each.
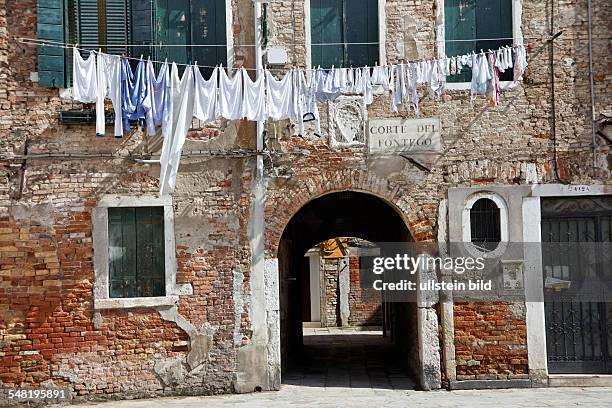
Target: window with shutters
(344, 33)
(136, 252)
(475, 25)
(179, 30)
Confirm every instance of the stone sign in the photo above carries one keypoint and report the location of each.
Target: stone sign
(396, 135)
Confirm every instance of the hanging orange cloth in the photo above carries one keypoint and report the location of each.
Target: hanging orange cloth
(334, 248)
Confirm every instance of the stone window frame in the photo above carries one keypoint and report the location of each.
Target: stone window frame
(517, 34)
(101, 296)
(382, 32)
(504, 227)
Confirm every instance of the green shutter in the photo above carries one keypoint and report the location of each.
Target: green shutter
(361, 26)
(173, 28)
(136, 251)
(141, 23)
(460, 24)
(208, 27)
(117, 26)
(122, 252)
(494, 20)
(52, 61)
(326, 27)
(150, 251)
(86, 25)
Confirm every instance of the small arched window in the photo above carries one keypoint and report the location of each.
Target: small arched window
(485, 224)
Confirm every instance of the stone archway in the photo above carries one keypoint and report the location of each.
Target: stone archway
(343, 212)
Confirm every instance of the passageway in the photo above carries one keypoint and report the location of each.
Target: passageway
(379, 357)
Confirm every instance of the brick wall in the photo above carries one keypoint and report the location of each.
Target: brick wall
(364, 303)
(48, 328)
(490, 341)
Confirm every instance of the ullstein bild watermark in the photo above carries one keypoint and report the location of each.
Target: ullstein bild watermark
(410, 264)
(561, 272)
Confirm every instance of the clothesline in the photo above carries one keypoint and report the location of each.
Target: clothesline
(58, 44)
(170, 101)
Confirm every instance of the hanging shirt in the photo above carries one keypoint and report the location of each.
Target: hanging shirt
(109, 84)
(133, 108)
(157, 103)
(492, 92)
(127, 87)
(230, 95)
(254, 101)
(182, 91)
(84, 82)
(205, 106)
(308, 101)
(520, 62)
(480, 75)
(282, 101)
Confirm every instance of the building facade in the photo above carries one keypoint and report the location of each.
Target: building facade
(111, 290)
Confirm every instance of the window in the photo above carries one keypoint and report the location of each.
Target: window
(485, 227)
(130, 27)
(136, 252)
(350, 27)
(474, 25)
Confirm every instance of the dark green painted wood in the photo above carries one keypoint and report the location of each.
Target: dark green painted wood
(361, 26)
(136, 251)
(327, 27)
(51, 26)
(142, 26)
(472, 20)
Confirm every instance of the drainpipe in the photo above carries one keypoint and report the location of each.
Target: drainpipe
(593, 117)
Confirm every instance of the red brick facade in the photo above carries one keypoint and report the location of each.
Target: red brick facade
(490, 341)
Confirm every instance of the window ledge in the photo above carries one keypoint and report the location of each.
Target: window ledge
(130, 303)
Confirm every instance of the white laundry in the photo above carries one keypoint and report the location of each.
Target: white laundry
(380, 77)
(399, 92)
(358, 83)
(157, 103)
(182, 90)
(437, 77)
(230, 95)
(480, 75)
(307, 102)
(508, 54)
(368, 95)
(205, 104)
(520, 62)
(324, 85)
(84, 83)
(254, 101)
(282, 100)
(412, 78)
(500, 60)
(109, 85)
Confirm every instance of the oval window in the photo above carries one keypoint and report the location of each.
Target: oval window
(485, 224)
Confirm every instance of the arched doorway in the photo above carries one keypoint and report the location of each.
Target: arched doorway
(343, 214)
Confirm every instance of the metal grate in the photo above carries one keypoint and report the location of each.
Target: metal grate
(485, 224)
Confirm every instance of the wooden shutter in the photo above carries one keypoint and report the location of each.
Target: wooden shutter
(52, 61)
(460, 24)
(208, 27)
(142, 26)
(494, 20)
(361, 26)
(117, 26)
(122, 252)
(326, 27)
(86, 28)
(173, 28)
(136, 252)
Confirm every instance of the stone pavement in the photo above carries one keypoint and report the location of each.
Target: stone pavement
(355, 368)
(304, 396)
